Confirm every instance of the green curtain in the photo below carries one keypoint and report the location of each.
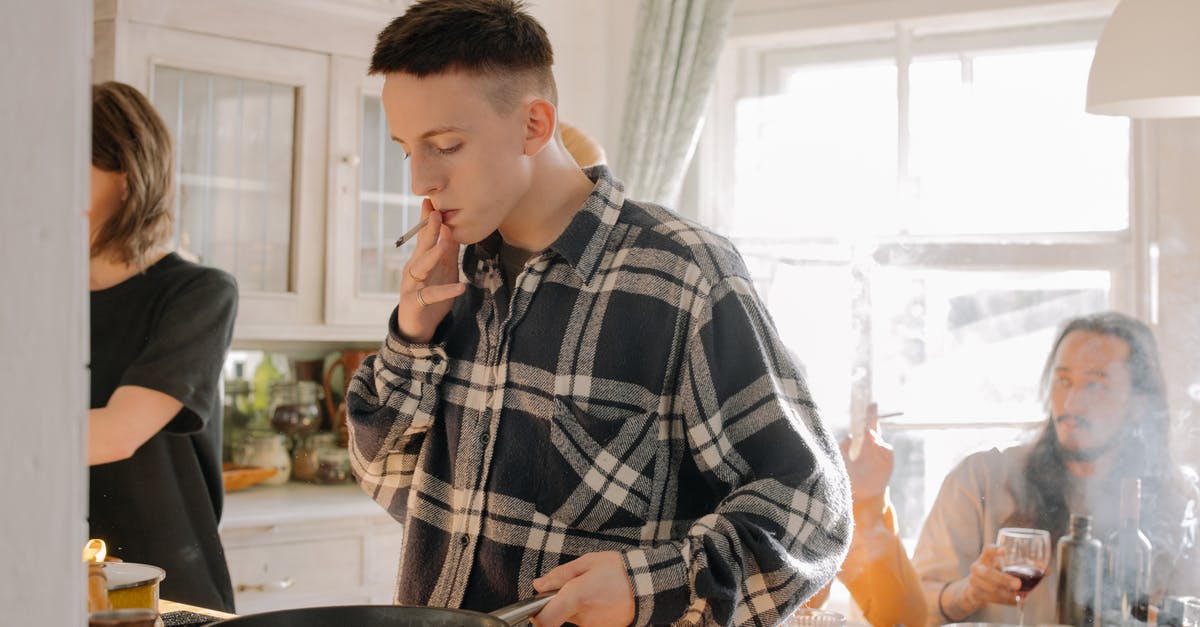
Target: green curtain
(671, 74)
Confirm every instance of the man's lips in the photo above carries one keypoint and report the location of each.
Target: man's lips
(448, 214)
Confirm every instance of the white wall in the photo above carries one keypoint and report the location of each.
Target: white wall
(592, 45)
(44, 120)
(1176, 230)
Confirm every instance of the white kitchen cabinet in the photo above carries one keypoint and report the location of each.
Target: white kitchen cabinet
(265, 102)
(250, 123)
(371, 202)
(300, 545)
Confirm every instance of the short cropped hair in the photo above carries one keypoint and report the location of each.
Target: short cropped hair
(497, 39)
(129, 136)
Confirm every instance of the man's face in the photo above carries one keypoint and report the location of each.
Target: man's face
(465, 156)
(1090, 392)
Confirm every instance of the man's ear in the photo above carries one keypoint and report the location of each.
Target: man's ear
(541, 119)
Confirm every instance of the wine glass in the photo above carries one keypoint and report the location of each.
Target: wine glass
(1026, 555)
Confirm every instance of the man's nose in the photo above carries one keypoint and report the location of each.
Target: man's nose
(1075, 402)
(427, 178)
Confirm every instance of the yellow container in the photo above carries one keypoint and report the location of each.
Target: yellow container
(132, 585)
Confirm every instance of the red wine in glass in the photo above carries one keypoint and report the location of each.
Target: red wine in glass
(1026, 555)
(1029, 576)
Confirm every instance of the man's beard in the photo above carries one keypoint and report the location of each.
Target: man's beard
(1088, 454)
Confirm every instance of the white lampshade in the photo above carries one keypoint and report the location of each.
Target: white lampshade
(1147, 62)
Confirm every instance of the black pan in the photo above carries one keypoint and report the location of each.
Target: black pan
(390, 616)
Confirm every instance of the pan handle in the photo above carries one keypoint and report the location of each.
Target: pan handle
(524, 609)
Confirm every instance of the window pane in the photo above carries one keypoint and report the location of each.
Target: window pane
(923, 458)
(386, 208)
(819, 160)
(810, 304)
(962, 347)
(1004, 146)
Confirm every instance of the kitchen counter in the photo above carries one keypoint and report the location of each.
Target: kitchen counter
(295, 501)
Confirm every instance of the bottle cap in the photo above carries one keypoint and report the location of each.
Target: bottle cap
(1080, 524)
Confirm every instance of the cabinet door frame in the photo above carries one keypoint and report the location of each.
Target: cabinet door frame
(265, 314)
(345, 303)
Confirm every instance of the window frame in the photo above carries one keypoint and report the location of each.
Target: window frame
(753, 66)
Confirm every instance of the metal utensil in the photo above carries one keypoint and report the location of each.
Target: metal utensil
(391, 616)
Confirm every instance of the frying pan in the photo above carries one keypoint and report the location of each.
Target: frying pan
(390, 616)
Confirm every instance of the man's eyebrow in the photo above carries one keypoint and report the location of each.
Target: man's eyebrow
(441, 130)
(1092, 373)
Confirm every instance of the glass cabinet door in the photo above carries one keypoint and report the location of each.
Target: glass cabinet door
(250, 125)
(373, 202)
(386, 206)
(233, 167)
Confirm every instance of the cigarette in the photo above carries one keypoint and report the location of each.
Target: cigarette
(412, 232)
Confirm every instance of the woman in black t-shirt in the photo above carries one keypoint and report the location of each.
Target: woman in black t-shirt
(160, 327)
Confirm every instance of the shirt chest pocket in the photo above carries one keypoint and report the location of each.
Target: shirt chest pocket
(599, 474)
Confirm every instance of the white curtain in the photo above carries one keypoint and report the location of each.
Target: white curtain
(671, 74)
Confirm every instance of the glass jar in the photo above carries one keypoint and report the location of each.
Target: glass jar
(267, 450)
(295, 407)
(304, 457)
(333, 465)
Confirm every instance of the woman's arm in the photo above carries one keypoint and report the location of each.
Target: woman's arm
(132, 416)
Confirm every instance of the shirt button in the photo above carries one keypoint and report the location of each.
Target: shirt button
(464, 540)
(484, 437)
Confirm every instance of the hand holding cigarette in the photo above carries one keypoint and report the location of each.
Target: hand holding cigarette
(871, 468)
(430, 281)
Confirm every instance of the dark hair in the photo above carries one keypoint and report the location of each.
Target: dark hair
(128, 136)
(493, 38)
(1143, 451)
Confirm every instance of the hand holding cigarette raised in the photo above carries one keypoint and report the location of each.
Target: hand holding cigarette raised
(869, 470)
(430, 282)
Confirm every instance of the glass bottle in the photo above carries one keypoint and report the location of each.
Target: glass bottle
(1127, 584)
(1080, 564)
(265, 375)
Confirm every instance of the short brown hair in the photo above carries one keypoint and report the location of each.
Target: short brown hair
(493, 38)
(128, 136)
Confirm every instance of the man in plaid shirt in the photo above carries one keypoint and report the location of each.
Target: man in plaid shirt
(599, 403)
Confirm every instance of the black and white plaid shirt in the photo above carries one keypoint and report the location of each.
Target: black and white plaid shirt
(631, 394)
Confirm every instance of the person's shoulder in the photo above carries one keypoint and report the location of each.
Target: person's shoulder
(985, 465)
(190, 275)
(665, 232)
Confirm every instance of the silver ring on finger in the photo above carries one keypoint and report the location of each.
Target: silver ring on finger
(420, 299)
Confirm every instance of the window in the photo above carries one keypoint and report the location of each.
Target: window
(919, 215)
